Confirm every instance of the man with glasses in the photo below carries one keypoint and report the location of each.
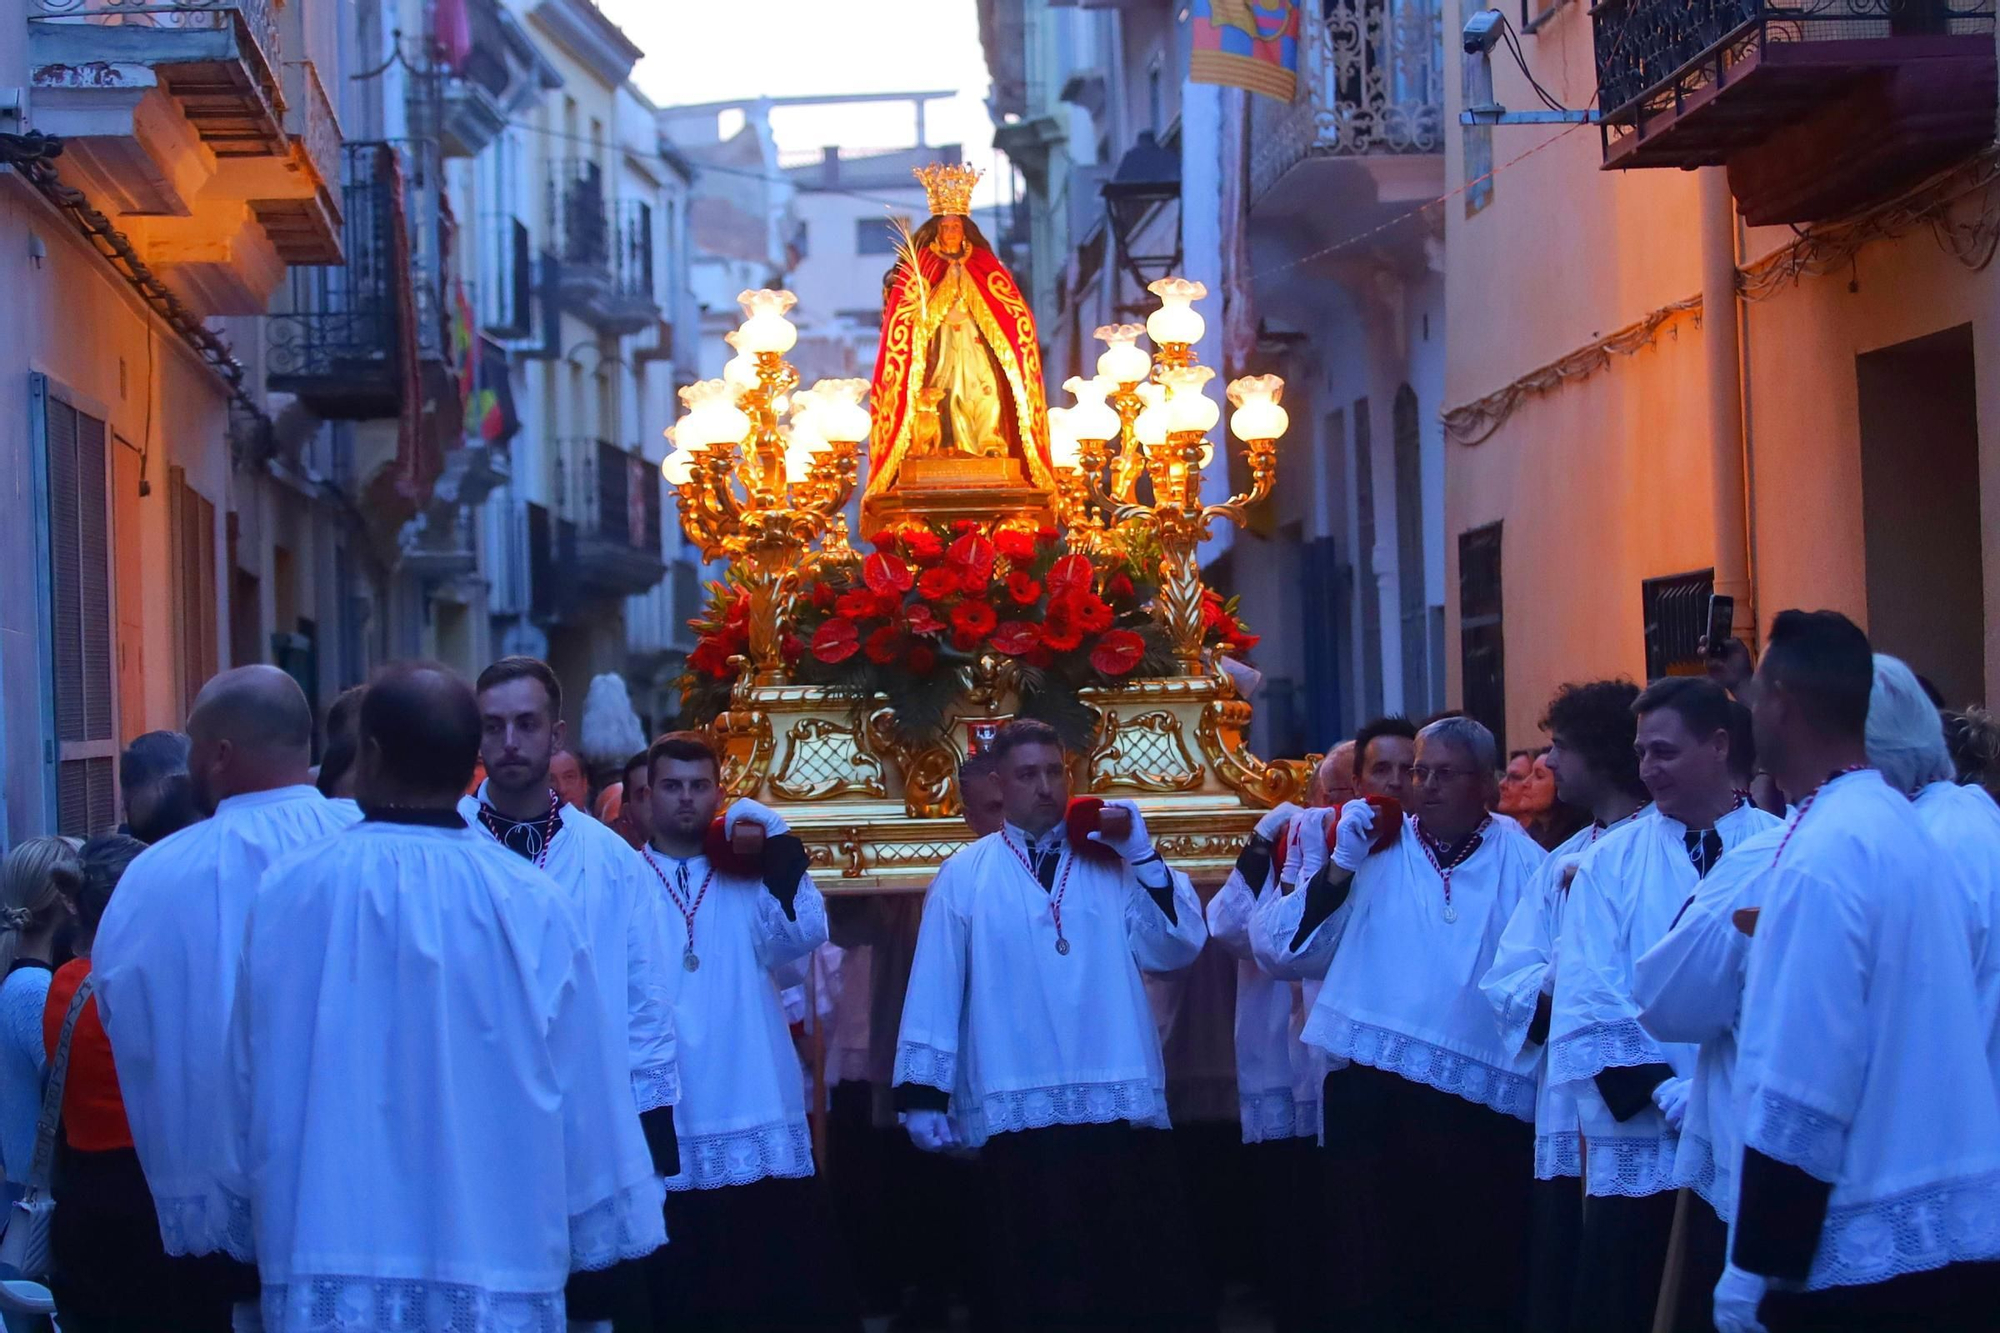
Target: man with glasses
(1427, 1122)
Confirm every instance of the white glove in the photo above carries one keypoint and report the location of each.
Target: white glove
(1309, 843)
(1136, 844)
(1355, 833)
(1276, 818)
(773, 822)
(1737, 1297)
(1672, 1099)
(930, 1130)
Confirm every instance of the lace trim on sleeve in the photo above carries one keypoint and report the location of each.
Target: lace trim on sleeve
(656, 1086)
(628, 1225)
(1306, 1121)
(335, 1303)
(1796, 1134)
(710, 1161)
(1954, 1222)
(1515, 1008)
(1589, 1051)
(918, 1063)
(1696, 1168)
(1267, 1116)
(1629, 1168)
(1137, 1101)
(1558, 1155)
(1420, 1062)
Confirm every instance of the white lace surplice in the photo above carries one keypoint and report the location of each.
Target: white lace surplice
(1402, 983)
(742, 1115)
(429, 1122)
(619, 900)
(1627, 892)
(1965, 822)
(1048, 1038)
(1689, 988)
(1269, 1017)
(165, 962)
(1862, 1059)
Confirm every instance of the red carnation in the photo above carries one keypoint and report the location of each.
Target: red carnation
(963, 641)
(857, 604)
(970, 617)
(824, 597)
(1117, 652)
(922, 620)
(1017, 546)
(882, 645)
(883, 572)
(884, 539)
(973, 554)
(1015, 637)
(1093, 613)
(836, 641)
(920, 543)
(1045, 536)
(1060, 630)
(1022, 588)
(965, 525)
(1120, 587)
(921, 659)
(1070, 574)
(938, 583)
(711, 658)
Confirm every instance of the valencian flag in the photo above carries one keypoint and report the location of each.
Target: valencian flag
(1251, 44)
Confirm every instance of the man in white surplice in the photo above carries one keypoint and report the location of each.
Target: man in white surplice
(428, 1123)
(1027, 1026)
(166, 954)
(1629, 1090)
(1591, 729)
(1427, 1124)
(746, 1192)
(1869, 1190)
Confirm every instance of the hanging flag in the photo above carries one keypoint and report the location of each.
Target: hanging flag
(1251, 44)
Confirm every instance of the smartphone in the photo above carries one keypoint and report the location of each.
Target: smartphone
(1721, 619)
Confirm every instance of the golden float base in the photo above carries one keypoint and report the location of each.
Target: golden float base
(878, 816)
(951, 487)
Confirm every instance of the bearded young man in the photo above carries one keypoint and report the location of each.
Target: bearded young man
(1426, 1142)
(1026, 1032)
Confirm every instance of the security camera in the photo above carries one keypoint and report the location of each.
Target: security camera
(1482, 32)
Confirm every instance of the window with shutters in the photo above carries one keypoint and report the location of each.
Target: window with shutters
(1674, 611)
(76, 532)
(193, 520)
(1482, 636)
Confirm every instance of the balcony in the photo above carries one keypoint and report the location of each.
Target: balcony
(338, 347)
(305, 227)
(1816, 107)
(1366, 131)
(608, 506)
(503, 72)
(604, 255)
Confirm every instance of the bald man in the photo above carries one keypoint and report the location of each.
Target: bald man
(165, 959)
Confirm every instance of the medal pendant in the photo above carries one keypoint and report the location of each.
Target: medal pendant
(1450, 914)
(1062, 946)
(691, 961)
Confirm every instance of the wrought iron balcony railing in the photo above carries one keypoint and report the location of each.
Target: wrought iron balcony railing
(1652, 55)
(610, 500)
(311, 122)
(258, 17)
(1371, 81)
(579, 221)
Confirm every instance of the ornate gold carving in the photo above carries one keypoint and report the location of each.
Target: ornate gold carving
(824, 759)
(1221, 736)
(1144, 753)
(743, 735)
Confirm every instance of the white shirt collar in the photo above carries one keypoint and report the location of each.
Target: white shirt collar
(269, 796)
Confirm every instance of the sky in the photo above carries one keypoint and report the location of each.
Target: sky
(748, 48)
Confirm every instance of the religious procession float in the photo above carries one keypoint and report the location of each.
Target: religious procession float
(1012, 560)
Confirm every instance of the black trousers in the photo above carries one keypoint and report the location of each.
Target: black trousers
(1704, 1250)
(1621, 1253)
(1292, 1216)
(111, 1272)
(1088, 1229)
(1557, 1210)
(764, 1256)
(1961, 1298)
(1430, 1211)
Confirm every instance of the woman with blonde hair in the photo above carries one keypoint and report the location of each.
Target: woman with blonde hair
(38, 880)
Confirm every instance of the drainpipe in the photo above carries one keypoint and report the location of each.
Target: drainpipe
(1721, 348)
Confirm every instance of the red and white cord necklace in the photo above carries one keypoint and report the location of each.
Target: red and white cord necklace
(690, 960)
(487, 814)
(1471, 845)
(1055, 895)
(1799, 815)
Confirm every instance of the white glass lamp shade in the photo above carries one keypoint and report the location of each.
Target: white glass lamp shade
(713, 420)
(678, 467)
(1155, 419)
(837, 410)
(1189, 408)
(1258, 415)
(1176, 321)
(765, 328)
(741, 369)
(1063, 450)
(1123, 361)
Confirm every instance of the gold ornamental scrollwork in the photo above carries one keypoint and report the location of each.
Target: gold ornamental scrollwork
(1255, 780)
(1146, 752)
(825, 759)
(930, 772)
(743, 735)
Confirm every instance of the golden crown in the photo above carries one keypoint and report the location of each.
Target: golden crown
(949, 187)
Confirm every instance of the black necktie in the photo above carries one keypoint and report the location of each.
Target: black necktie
(1704, 850)
(1046, 861)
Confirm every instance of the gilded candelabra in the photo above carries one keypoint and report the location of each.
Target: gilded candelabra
(1150, 416)
(766, 494)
